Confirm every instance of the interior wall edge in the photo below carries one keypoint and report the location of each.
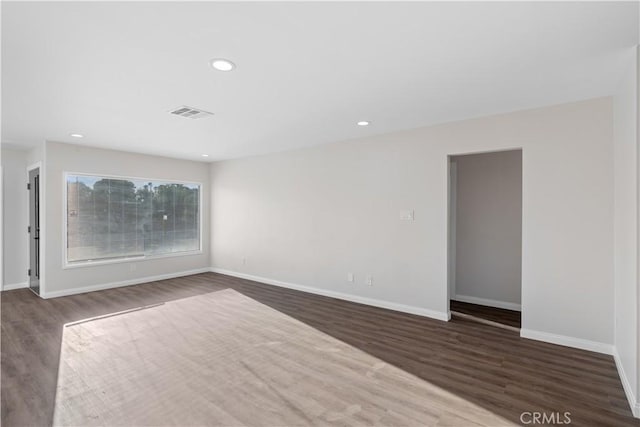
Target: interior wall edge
(626, 385)
(580, 343)
(636, 407)
(14, 217)
(42, 206)
(433, 314)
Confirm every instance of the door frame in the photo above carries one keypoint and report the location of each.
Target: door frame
(452, 196)
(41, 211)
(450, 258)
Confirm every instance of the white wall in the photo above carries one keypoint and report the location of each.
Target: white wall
(309, 217)
(636, 409)
(36, 154)
(626, 223)
(488, 258)
(15, 218)
(60, 158)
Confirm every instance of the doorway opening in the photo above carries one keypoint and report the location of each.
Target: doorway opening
(485, 237)
(33, 230)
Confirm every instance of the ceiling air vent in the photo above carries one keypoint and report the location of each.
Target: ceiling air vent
(191, 113)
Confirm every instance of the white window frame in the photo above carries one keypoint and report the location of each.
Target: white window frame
(66, 264)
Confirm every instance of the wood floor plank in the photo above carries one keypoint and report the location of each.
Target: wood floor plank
(489, 367)
(499, 315)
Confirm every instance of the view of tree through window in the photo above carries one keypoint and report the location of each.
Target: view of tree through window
(109, 218)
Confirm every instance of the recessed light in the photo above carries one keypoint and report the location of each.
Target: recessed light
(221, 64)
(204, 155)
(77, 135)
(363, 123)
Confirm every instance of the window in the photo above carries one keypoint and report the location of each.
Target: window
(116, 218)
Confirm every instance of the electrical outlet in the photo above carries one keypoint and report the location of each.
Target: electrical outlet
(370, 280)
(350, 277)
(244, 261)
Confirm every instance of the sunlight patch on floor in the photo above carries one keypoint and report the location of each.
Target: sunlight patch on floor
(225, 359)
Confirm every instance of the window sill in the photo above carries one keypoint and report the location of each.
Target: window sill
(97, 263)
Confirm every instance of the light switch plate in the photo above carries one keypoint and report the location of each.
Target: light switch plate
(406, 215)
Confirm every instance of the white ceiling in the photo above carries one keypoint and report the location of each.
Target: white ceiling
(306, 72)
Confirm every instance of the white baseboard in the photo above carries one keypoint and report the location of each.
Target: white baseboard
(445, 316)
(488, 302)
(103, 286)
(566, 341)
(10, 287)
(633, 403)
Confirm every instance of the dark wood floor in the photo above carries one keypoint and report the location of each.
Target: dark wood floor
(491, 367)
(499, 315)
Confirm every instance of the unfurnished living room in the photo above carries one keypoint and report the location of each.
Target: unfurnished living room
(320, 213)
